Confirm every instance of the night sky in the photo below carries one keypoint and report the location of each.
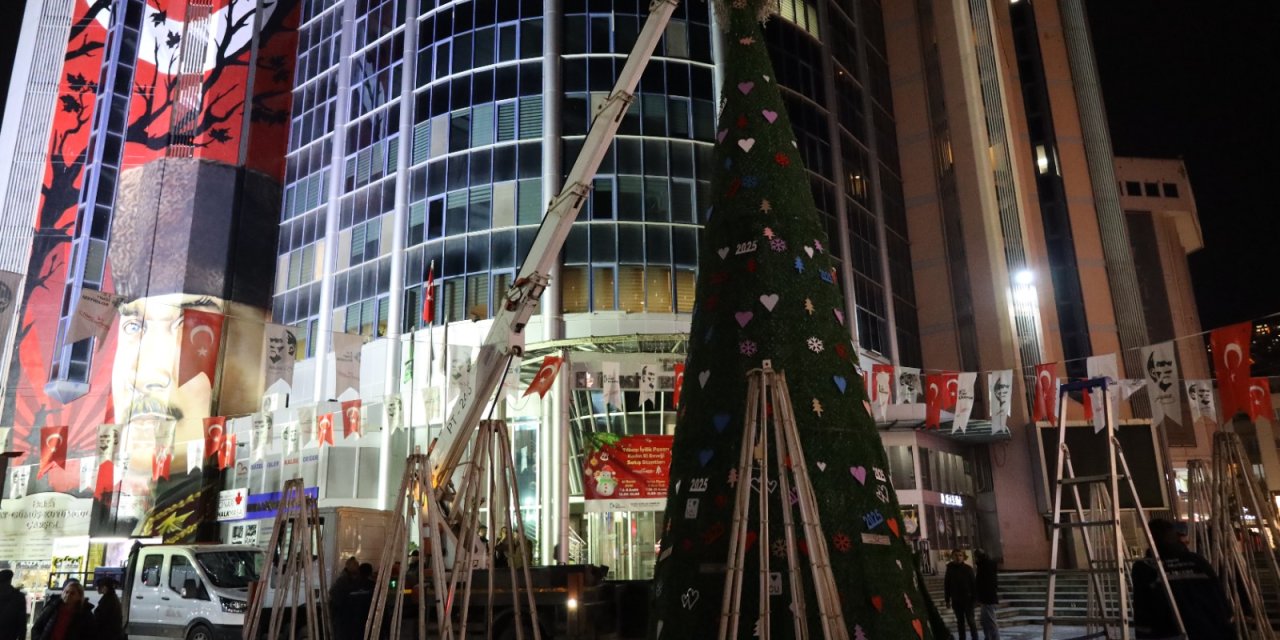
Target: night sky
(1179, 79)
(1190, 79)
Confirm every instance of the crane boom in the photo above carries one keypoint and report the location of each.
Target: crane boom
(506, 335)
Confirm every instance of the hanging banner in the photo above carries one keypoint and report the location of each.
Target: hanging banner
(53, 449)
(611, 384)
(1161, 364)
(1130, 386)
(1045, 407)
(882, 391)
(201, 340)
(352, 424)
(431, 402)
(1104, 366)
(908, 385)
(307, 433)
(10, 298)
(934, 397)
(108, 443)
(162, 456)
(4, 438)
(1260, 406)
(281, 347)
(289, 437)
(94, 313)
(1231, 367)
(324, 429)
(629, 473)
(392, 412)
(261, 437)
(88, 473)
(1000, 390)
(648, 385)
(677, 385)
(227, 456)
(195, 454)
(1200, 399)
(346, 357)
(18, 479)
(964, 401)
(215, 434)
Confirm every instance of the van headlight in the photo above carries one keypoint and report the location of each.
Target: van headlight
(233, 606)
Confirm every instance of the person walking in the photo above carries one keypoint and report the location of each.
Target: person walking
(358, 602)
(13, 609)
(69, 618)
(958, 588)
(339, 606)
(987, 589)
(108, 616)
(1201, 600)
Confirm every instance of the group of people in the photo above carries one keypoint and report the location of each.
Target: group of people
(65, 616)
(963, 587)
(350, 599)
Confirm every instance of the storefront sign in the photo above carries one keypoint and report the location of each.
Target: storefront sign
(233, 504)
(628, 473)
(29, 525)
(265, 505)
(952, 500)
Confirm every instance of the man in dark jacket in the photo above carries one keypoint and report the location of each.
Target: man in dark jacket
(1201, 601)
(13, 609)
(108, 616)
(958, 590)
(987, 586)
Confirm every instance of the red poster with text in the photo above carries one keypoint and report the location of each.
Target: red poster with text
(627, 473)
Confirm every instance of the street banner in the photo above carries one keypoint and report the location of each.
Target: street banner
(649, 384)
(1104, 366)
(1260, 406)
(307, 433)
(934, 397)
(201, 340)
(611, 383)
(261, 436)
(195, 454)
(1130, 386)
(964, 401)
(289, 437)
(10, 299)
(346, 358)
(108, 443)
(281, 347)
(392, 412)
(4, 438)
(1000, 392)
(1161, 364)
(1230, 346)
(677, 385)
(429, 296)
(950, 390)
(53, 449)
(431, 402)
(629, 473)
(908, 385)
(18, 479)
(93, 315)
(545, 376)
(227, 456)
(87, 472)
(215, 434)
(351, 419)
(162, 456)
(1045, 407)
(324, 429)
(882, 391)
(1200, 399)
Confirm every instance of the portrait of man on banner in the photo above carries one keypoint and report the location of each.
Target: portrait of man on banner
(1200, 399)
(1160, 364)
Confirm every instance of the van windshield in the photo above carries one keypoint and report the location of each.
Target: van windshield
(231, 569)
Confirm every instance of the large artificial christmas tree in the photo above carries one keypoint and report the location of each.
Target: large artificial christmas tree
(768, 290)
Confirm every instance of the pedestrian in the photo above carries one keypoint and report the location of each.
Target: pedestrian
(67, 618)
(1201, 600)
(358, 602)
(987, 587)
(502, 549)
(108, 616)
(342, 587)
(958, 588)
(13, 609)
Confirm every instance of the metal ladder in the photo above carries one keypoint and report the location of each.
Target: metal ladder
(768, 397)
(1110, 608)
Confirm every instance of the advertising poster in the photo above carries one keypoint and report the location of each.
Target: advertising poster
(627, 473)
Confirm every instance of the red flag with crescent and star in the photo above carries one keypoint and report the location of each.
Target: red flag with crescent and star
(227, 453)
(201, 338)
(1044, 405)
(53, 449)
(324, 429)
(351, 423)
(429, 296)
(546, 376)
(951, 390)
(1231, 365)
(934, 397)
(161, 461)
(1260, 400)
(106, 479)
(215, 434)
(677, 385)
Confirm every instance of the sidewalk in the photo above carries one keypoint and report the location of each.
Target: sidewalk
(1031, 632)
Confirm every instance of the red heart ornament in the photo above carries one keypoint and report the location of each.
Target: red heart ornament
(751, 539)
(877, 602)
(893, 525)
(915, 624)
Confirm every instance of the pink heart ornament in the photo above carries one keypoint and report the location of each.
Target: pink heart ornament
(769, 300)
(769, 115)
(859, 474)
(746, 143)
(720, 135)
(743, 317)
(746, 87)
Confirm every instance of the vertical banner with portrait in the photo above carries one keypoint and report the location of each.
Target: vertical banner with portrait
(1200, 398)
(346, 357)
(280, 351)
(1160, 364)
(1000, 388)
(908, 385)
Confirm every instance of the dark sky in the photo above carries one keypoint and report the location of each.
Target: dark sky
(1197, 80)
(10, 25)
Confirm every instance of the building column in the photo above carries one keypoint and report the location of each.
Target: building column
(553, 431)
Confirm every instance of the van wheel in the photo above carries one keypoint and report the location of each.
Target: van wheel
(200, 632)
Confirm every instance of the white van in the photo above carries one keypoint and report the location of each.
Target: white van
(193, 592)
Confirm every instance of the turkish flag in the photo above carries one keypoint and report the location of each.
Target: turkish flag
(546, 376)
(161, 461)
(227, 452)
(324, 428)
(1260, 400)
(215, 434)
(106, 479)
(950, 390)
(1231, 366)
(677, 385)
(351, 419)
(1046, 387)
(429, 296)
(935, 393)
(201, 338)
(53, 449)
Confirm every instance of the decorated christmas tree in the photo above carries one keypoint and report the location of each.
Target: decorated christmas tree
(768, 290)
